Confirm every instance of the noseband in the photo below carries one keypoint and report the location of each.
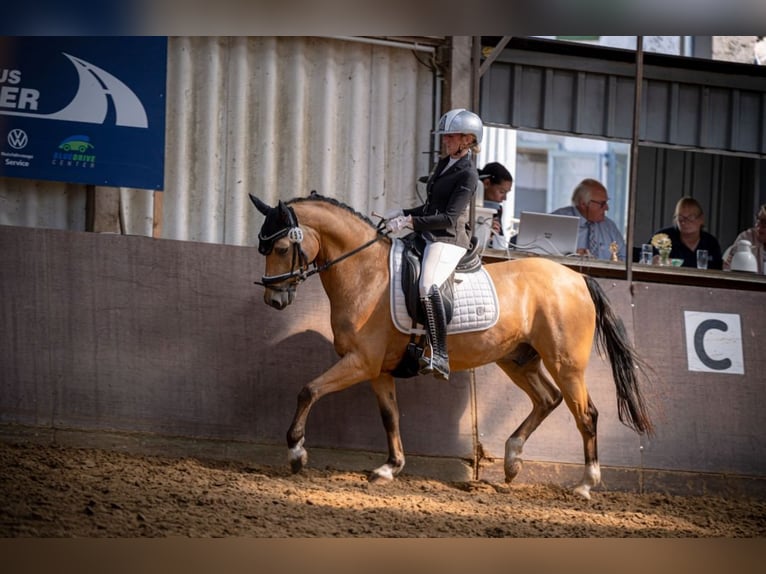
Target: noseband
(300, 268)
(299, 272)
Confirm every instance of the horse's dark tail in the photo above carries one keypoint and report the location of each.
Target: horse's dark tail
(612, 339)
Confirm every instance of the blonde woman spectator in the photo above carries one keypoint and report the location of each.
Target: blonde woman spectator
(687, 235)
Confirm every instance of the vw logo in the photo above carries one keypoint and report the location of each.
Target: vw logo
(17, 138)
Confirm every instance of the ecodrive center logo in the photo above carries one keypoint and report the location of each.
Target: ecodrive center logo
(75, 151)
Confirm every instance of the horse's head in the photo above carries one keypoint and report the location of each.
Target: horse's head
(281, 240)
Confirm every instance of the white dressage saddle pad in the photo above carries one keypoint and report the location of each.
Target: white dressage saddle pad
(475, 307)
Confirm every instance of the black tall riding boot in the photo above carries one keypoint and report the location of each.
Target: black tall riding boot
(436, 326)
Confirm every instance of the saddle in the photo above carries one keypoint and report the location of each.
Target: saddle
(414, 246)
(470, 300)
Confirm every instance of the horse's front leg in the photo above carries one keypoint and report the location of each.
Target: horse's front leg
(385, 391)
(343, 374)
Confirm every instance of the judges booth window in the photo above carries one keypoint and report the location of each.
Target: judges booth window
(548, 167)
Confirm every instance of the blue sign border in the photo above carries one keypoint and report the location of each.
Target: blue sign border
(84, 110)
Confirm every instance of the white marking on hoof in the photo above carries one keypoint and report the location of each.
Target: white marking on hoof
(382, 473)
(583, 490)
(591, 477)
(297, 456)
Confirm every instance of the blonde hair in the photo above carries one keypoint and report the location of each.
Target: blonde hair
(687, 201)
(474, 146)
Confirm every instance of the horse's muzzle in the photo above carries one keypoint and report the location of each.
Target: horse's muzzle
(279, 299)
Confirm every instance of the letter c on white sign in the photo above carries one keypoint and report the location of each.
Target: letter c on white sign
(714, 342)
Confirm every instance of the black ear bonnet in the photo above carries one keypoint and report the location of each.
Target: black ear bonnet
(280, 221)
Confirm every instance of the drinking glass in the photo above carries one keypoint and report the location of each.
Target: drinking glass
(647, 253)
(702, 258)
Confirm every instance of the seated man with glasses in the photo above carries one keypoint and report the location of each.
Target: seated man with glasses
(597, 232)
(687, 236)
(756, 235)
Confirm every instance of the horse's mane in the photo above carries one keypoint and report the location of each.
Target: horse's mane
(314, 196)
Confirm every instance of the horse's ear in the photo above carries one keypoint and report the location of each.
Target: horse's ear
(284, 213)
(262, 207)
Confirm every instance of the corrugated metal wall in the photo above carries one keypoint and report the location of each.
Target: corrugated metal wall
(274, 116)
(30, 203)
(587, 91)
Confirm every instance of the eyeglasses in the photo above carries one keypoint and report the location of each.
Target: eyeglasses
(684, 218)
(601, 204)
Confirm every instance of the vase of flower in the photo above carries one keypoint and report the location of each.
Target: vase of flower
(663, 245)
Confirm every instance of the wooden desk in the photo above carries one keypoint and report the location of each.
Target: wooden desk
(648, 273)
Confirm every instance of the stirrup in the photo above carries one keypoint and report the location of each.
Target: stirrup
(434, 365)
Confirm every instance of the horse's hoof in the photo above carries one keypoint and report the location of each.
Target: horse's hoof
(298, 457)
(582, 490)
(385, 473)
(591, 478)
(381, 475)
(374, 478)
(512, 469)
(296, 466)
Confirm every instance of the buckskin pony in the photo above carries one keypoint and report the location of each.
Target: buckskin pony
(549, 316)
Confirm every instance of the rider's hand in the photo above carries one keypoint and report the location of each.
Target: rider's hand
(396, 224)
(393, 213)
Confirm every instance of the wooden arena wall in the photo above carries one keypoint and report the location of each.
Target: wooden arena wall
(113, 334)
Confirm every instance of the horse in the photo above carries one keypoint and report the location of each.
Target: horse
(538, 330)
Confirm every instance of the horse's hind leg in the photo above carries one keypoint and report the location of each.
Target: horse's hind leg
(385, 391)
(545, 397)
(572, 383)
(592, 475)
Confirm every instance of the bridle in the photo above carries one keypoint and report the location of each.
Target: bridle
(301, 268)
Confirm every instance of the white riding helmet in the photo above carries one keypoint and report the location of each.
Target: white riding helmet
(460, 121)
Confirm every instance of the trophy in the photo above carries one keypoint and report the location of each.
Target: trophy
(613, 248)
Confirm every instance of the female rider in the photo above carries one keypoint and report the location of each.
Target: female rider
(443, 220)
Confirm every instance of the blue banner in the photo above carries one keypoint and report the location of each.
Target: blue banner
(84, 110)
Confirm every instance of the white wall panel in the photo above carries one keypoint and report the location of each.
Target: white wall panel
(499, 144)
(275, 116)
(279, 117)
(49, 204)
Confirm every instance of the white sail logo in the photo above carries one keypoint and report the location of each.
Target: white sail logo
(91, 104)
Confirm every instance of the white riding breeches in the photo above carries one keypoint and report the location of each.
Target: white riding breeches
(439, 261)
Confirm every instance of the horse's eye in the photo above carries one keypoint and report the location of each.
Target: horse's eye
(281, 250)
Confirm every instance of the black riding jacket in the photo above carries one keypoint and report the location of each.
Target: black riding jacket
(445, 213)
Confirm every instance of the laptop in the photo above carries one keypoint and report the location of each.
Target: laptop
(547, 234)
